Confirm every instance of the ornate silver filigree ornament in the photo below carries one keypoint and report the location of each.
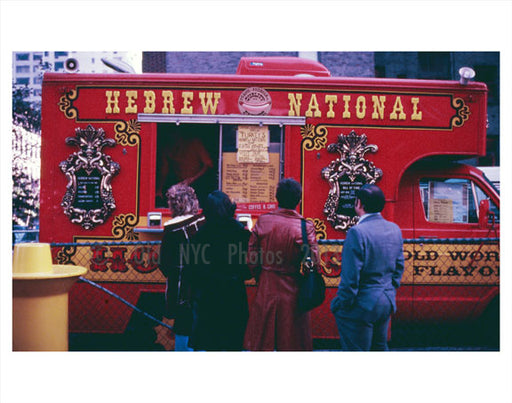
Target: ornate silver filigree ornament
(88, 200)
(346, 175)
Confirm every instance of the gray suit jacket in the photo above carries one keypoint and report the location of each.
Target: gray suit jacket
(372, 264)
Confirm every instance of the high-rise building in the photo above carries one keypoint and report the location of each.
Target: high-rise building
(28, 67)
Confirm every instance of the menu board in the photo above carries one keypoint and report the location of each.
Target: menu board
(448, 202)
(88, 195)
(347, 199)
(440, 210)
(250, 182)
(252, 144)
(250, 156)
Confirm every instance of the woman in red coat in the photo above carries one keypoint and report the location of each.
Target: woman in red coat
(275, 253)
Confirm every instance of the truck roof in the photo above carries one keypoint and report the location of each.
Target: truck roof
(296, 81)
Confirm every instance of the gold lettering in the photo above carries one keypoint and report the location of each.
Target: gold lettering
(112, 104)
(132, 106)
(168, 106)
(331, 100)
(313, 106)
(416, 115)
(187, 96)
(361, 107)
(398, 107)
(150, 101)
(346, 112)
(378, 106)
(209, 104)
(294, 104)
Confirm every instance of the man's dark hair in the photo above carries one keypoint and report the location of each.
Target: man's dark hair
(372, 198)
(288, 193)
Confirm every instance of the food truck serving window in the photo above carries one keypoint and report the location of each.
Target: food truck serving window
(242, 160)
(251, 163)
(452, 200)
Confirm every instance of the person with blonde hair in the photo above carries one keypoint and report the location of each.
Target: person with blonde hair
(185, 222)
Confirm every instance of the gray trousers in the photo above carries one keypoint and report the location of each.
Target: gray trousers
(362, 330)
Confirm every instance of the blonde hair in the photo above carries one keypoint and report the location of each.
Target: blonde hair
(182, 200)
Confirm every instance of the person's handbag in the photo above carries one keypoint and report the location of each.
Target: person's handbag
(311, 283)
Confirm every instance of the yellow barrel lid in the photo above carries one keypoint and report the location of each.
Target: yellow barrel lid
(34, 261)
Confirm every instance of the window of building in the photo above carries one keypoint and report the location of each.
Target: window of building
(37, 56)
(453, 200)
(59, 66)
(61, 54)
(22, 80)
(22, 69)
(22, 56)
(38, 80)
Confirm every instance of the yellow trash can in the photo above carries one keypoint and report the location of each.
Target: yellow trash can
(40, 299)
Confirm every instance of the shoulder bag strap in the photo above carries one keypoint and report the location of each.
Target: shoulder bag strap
(305, 242)
(304, 233)
(180, 267)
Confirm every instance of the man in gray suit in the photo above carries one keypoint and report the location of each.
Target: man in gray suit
(371, 269)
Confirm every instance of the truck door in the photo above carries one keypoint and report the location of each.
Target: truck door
(451, 208)
(451, 263)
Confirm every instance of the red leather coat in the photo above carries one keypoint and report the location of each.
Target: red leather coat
(275, 253)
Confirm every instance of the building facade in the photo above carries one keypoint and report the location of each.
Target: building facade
(28, 67)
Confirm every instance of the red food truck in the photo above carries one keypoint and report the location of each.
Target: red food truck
(109, 153)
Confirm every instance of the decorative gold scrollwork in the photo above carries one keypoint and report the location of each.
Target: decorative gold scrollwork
(66, 104)
(346, 175)
(89, 200)
(65, 254)
(462, 112)
(127, 133)
(313, 137)
(123, 227)
(320, 228)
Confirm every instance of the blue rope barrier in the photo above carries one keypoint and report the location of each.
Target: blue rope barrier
(108, 243)
(424, 241)
(147, 315)
(320, 242)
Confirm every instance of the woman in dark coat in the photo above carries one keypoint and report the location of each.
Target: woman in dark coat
(185, 222)
(218, 258)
